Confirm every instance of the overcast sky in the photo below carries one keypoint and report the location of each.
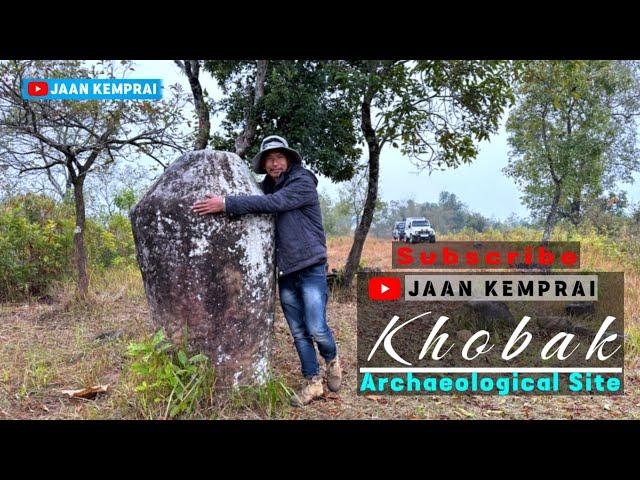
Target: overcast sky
(481, 185)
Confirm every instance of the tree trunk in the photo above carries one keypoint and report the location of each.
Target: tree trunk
(353, 261)
(576, 208)
(551, 218)
(557, 180)
(244, 140)
(192, 71)
(78, 238)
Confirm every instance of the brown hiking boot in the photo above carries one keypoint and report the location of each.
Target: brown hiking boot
(311, 390)
(334, 374)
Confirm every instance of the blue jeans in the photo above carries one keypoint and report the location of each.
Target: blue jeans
(303, 297)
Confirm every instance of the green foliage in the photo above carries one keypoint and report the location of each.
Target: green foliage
(270, 398)
(168, 382)
(445, 108)
(435, 111)
(632, 343)
(36, 244)
(125, 199)
(110, 245)
(573, 134)
(341, 216)
(447, 215)
(607, 214)
(335, 215)
(300, 102)
(352, 200)
(622, 250)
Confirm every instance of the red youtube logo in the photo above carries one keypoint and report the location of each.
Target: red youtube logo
(384, 288)
(37, 89)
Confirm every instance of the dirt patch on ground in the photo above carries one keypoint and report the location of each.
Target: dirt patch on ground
(45, 351)
(46, 348)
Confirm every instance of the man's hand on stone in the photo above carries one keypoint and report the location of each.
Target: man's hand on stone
(212, 204)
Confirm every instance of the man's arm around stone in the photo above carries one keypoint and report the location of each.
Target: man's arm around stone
(299, 193)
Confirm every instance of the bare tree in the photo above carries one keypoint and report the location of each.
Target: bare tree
(110, 180)
(81, 137)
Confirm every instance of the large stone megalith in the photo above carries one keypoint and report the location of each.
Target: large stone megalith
(213, 274)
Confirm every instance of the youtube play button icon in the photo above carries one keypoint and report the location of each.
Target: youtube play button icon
(37, 89)
(385, 288)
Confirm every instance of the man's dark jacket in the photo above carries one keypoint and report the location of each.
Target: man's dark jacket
(300, 237)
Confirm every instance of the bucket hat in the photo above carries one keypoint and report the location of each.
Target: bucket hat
(274, 142)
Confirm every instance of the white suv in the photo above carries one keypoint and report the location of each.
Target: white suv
(418, 229)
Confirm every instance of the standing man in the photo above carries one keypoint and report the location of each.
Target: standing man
(301, 256)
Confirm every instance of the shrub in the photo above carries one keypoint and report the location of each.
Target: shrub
(36, 244)
(168, 382)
